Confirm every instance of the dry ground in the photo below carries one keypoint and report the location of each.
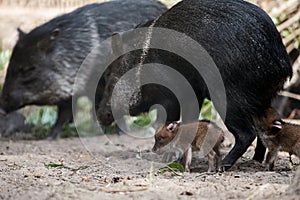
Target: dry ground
(110, 168)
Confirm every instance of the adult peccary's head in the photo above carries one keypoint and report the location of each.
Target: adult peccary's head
(44, 61)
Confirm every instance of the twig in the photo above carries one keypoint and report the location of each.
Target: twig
(292, 36)
(290, 95)
(173, 171)
(289, 22)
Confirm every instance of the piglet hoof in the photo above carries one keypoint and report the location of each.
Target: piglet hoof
(187, 170)
(269, 169)
(210, 172)
(219, 170)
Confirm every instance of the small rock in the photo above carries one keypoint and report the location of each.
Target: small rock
(186, 193)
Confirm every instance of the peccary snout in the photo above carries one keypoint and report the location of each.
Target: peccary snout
(106, 118)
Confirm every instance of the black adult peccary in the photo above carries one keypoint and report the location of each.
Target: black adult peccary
(44, 62)
(248, 51)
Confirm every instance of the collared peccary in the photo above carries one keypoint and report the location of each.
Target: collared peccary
(245, 46)
(278, 135)
(44, 61)
(167, 133)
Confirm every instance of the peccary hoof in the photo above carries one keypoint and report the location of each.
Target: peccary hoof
(51, 136)
(225, 167)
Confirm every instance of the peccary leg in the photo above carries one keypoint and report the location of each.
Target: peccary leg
(218, 159)
(211, 161)
(244, 135)
(187, 159)
(64, 116)
(270, 159)
(260, 151)
(290, 158)
(296, 150)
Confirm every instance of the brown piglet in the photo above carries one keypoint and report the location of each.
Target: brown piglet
(278, 135)
(208, 135)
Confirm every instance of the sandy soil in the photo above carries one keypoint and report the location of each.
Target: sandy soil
(110, 168)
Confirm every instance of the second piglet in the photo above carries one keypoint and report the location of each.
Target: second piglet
(208, 135)
(278, 135)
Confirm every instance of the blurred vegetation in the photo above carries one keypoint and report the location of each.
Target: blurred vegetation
(144, 120)
(4, 58)
(286, 16)
(43, 118)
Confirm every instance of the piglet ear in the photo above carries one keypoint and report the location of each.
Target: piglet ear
(21, 33)
(54, 34)
(171, 127)
(277, 126)
(178, 122)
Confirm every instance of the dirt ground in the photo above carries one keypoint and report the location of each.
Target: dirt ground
(111, 168)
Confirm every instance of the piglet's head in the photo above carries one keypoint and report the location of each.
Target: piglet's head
(165, 135)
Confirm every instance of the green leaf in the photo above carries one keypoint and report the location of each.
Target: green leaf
(176, 167)
(162, 171)
(54, 165)
(4, 58)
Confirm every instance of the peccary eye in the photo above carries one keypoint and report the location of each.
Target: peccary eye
(160, 138)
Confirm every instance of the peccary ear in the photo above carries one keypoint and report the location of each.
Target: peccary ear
(178, 122)
(276, 126)
(54, 34)
(171, 127)
(116, 44)
(21, 33)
